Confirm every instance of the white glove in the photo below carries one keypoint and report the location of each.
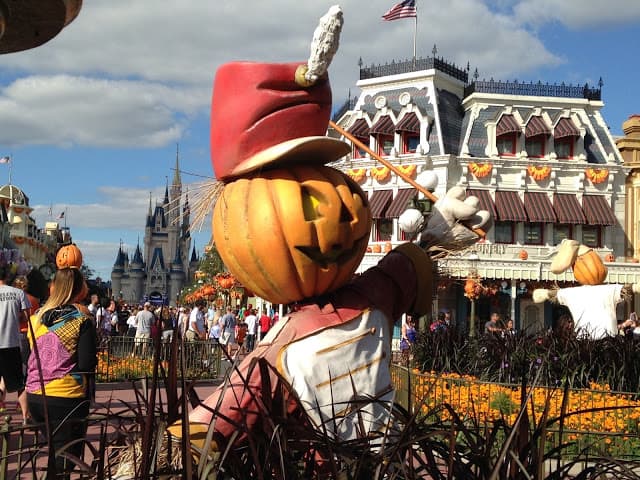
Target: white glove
(540, 295)
(453, 220)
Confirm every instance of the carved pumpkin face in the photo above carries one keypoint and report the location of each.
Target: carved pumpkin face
(292, 234)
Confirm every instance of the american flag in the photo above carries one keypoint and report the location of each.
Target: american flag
(406, 9)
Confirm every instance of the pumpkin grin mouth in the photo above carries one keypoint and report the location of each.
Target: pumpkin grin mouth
(335, 255)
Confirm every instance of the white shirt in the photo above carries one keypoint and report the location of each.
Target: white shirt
(251, 320)
(593, 308)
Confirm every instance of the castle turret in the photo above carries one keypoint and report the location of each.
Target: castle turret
(118, 271)
(176, 276)
(136, 275)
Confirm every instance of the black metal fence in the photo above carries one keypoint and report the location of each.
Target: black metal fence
(419, 64)
(126, 358)
(537, 89)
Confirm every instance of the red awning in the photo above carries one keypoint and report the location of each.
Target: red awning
(360, 129)
(538, 207)
(509, 207)
(486, 202)
(568, 209)
(535, 127)
(507, 124)
(597, 210)
(384, 126)
(379, 201)
(409, 123)
(401, 202)
(565, 128)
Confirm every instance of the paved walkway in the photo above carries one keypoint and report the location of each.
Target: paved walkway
(109, 398)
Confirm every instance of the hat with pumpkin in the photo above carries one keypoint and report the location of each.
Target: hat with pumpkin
(272, 114)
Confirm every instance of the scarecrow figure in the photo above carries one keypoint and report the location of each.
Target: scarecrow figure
(292, 229)
(593, 304)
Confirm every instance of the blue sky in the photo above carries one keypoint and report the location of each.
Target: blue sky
(92, 118)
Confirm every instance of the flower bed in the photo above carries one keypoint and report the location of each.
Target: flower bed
(606, 422)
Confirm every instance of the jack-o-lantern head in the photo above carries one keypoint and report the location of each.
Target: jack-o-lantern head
(292, 234)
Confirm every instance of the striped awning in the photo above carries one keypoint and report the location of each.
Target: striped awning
(384, 126)
(597, 210)
(507, 124)
(409, 123)
(485, 200)
(538, 207)
(509, 207)
(565, 128)
(401, 202)
(360, 129)
(568, 209)
(379, 201)
(535, 127)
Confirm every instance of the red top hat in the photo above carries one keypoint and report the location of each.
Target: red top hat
(261, 117)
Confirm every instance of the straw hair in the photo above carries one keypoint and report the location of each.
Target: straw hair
(67, 286)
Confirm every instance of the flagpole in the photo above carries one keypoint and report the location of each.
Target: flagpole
(10, 168)
(415, 34)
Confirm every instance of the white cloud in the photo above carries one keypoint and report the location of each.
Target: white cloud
(66, 110)
(132, 74)
(577, 15)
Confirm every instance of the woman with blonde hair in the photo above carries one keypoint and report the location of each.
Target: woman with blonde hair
(62, 363)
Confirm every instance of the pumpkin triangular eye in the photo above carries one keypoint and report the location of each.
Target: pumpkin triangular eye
(345, 214)
(310, 202)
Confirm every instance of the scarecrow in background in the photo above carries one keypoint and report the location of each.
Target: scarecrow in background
(292, 229)
(593, 304)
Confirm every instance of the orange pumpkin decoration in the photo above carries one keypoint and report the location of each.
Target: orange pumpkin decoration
(291, 234)
(69, 256)
(610, 257)
(523, 255)
(376, 248)
(588, 269)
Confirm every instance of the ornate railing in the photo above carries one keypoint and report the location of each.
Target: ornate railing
(534, 89)
(407, 66)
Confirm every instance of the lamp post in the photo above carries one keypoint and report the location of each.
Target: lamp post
(473, 259)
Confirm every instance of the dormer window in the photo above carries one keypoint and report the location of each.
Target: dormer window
(506, 144)
(564, 147)
(564, 137)
(536, 134)
(507, 132)
(409, 129)
(383, 131)
(360, 130)
(535, 146)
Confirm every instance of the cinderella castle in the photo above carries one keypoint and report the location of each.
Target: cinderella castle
(161, 267)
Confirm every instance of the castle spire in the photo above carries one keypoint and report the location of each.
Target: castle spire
(176, 174)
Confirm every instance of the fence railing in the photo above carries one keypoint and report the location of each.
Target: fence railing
(125, 358)
(605, 422)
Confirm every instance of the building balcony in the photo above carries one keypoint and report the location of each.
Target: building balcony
(506, 264)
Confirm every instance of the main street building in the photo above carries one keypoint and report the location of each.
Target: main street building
(540, 157)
